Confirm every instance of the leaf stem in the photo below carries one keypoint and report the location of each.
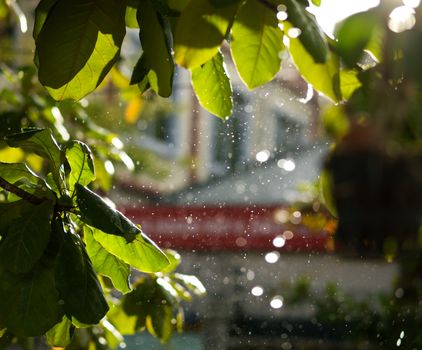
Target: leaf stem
(20, 192)
(269, 5)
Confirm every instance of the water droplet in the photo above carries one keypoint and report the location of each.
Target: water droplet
(257, 291)
(272, 257)
(276, 302)
(401, 18)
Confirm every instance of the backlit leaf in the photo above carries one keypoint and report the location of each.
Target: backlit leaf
(77, 282)
(349, 82)
(124, 323)
(141, 253)
(12, 172)
(354, 34)
(41, 13)
(156, 62)
(29, 304)
(324, 77)
(79, 157)
(27, 237)
(97, 213)
(256, 43)
(212, 87)
(78, 44)
(107, 264)
(61, 334)
(41, 142)
(311, 35)
(200, 31)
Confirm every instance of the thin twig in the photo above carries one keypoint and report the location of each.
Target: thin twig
(20, 192)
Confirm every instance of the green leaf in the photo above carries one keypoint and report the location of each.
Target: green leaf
(107, 264)
(324, 77)
(316, 2)
(142, 253)
(13, 172)
(174, 260)
(326, 186)
(349, 82)
(41, 142)
(159, 323)
(200, 31)
(79, 157)
(140, 75)
(27, 237)
(41, 13)
(212, 87)
(78, 44)
(124, 323)
(156, 59)
(10, 212)
(97, 213)
(311, 37)
(29, 304)
(130, 17)
(61, 334)
(222, 3)
(256, 43)
(77, 282)
(354, 34)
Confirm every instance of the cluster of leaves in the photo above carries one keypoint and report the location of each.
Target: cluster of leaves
(56, 235)
(192, 34)
(25, 104)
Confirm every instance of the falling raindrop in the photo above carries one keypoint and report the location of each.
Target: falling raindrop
(279, 241)
(401, 18)
(272, 257)
(257, 291)
(276, 302)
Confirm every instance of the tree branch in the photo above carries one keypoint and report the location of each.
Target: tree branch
(20, 192)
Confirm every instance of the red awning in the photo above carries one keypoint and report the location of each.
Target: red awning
(228, 228)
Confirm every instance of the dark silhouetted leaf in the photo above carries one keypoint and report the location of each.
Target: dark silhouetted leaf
(27, 237)
(156, 61)
(97, 213)
(77, 282)
(29, 304)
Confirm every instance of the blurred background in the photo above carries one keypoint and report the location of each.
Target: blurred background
(241, 200)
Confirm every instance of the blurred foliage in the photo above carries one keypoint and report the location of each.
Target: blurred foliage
(380, 321)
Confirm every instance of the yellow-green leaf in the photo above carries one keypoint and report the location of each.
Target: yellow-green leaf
(107, 264)
(256, 43)
(78, 44)
(324, 77)
(212, 87)
(141, 253)
(200, 31)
